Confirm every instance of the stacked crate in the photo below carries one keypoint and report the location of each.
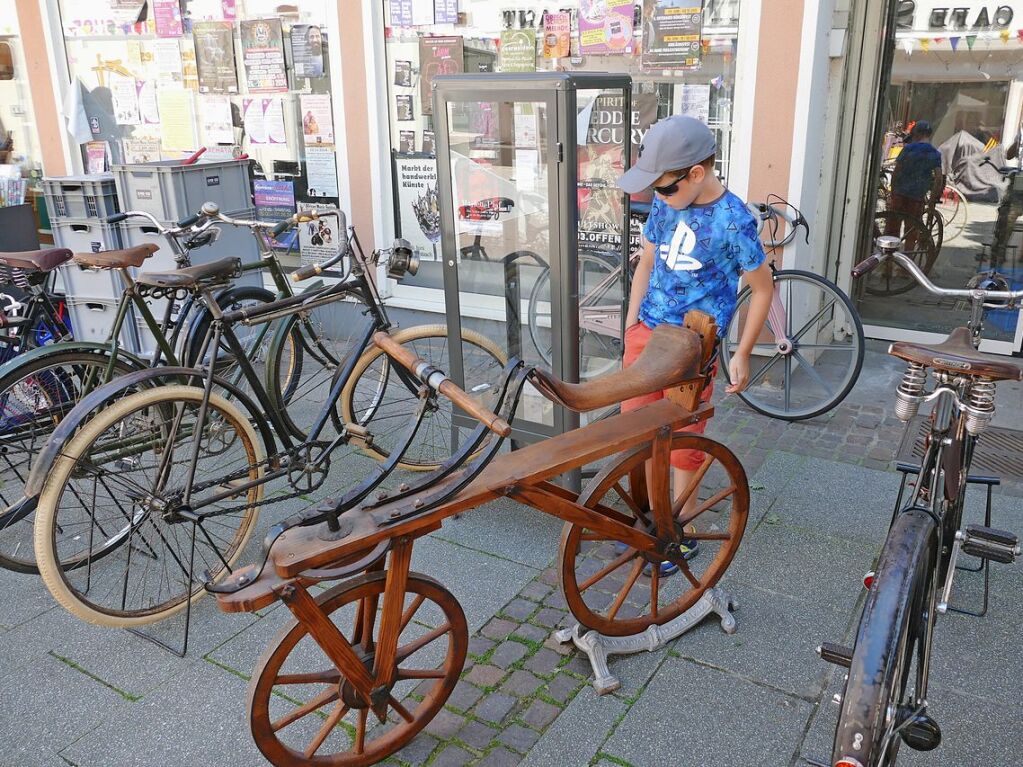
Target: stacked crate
(78, 206)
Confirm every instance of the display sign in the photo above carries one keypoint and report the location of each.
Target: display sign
(275, 201)
(214, 52)
(935, 15)
(671, 36)
(437, 56)
(418, 208)
(557, 35)
(319, 240)
(307, 50)
(605, 27)
(263, 56)
(518, 50)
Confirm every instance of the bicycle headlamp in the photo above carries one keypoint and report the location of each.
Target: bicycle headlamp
(991, 281)
(403, 260)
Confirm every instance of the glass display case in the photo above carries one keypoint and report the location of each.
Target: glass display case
(533, 229)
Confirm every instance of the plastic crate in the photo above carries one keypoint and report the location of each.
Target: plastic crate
(80, 281)
(79, 197)
(86, 236)
(170, 191)
(145, 342)
(93, 319)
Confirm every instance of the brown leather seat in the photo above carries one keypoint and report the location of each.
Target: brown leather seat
(956, 355)
(117, 259)
(671, 356)
(192, 275)
(36, 260)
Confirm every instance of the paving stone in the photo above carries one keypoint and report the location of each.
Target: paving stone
(531, 633)
(578, 733)
(549, 617)
(495, 707)
(464, 696)
(452, 756)
(519, 738)
(484, 675)
(578, 664)
(445, 724)
(521, 684)
(508, 653)
(544, 662)
(418, 751)
(500, 757)
(480, 646)
(540, 714)
(519, 609)
(536, 591)
(498, 628)
(556, 600)
(549, 576)
(562, 687)
(477, 734)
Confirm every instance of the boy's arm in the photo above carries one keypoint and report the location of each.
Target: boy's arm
(762, 285)
(640, 283)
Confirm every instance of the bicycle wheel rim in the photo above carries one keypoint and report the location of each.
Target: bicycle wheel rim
(826, 355)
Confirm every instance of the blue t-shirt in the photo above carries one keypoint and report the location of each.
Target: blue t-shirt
(699, 254)
(914, 169)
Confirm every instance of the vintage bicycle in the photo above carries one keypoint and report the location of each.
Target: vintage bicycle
(366, 664)
(884, 704)
(31, 314)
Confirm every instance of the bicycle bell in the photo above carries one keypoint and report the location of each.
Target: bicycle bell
(403, 260)
(888, 243)
(210, 209)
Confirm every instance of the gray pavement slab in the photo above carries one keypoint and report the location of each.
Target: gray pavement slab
(578, 733)
(25, 597)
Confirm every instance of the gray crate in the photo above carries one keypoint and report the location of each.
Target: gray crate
(170, 191)
(80, 197)
(93, 319)
(79, 281)
(81, 236)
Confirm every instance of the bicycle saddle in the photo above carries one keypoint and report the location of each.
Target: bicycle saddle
(192, 275)
(116, 259)
(956, 355)
(671, 356)
(36, 260)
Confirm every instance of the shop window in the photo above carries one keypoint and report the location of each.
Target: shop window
(6, 61)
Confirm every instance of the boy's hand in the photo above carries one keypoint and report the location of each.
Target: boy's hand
(738, 373)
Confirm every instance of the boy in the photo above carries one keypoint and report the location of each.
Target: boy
(917, 174)
(698, 240)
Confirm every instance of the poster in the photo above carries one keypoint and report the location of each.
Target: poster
(214, 52)
(317, 120)
(96, 157)
(167, 14)
(696, 101)
(403, 73)
(149, 110)
(167, 59)
(264, 121)
(217, 127)
(671, 36)
(140, 150)
(557, 35)
(307, 50)
(422, 13)
(177, 113)
(322, 239)
(403, 106)
(605, 27)
(407, 141)
(125, 97)
(418, 202)
(445, 11)
(275, 201)
(263, 56)
(518, 50)
(429, 142)
(321, 172)
(401, 13)
(437, 56)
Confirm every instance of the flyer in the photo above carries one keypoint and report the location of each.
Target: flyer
(671, 36)
(125, 97)
(214, 51)
(403, 73)
(518, 50)
(407, 141)
(307, 50)
(149, 110)
(445, 11)
(401, 13)
(275, 201)
(422, 13)
(273, 116)
(321, 171)
(317, 119)
(322, 239)
(189, 67)
(96, 157)
(177, 113)
(403, 105)
(263, 56)
(167, 58)
(217, 126)
(429, 142)
(167, 14)
(140, 150)
(696, 101)
(229, 9)
(264, 121)
(557, 35)
(418, 201)
(605, 27)
(437, 56)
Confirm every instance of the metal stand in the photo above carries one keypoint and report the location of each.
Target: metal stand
(598, 647)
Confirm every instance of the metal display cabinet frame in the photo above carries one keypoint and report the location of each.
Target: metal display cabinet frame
(558, 94)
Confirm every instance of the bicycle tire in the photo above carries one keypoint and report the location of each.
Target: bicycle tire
(887, 637)
(955, 212)
(100, 584)
(63, 371)
(367, 405)
(890, 279)
(764, 402)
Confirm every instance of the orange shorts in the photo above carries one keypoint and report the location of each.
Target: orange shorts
(636, 338)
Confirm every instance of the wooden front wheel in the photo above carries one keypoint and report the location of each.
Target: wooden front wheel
(619, 590)
(302, 709)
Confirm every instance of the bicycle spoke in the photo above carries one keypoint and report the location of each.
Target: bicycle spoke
(332, 721)
(606, 571)
(293, 716)
(330, 676)
(755, 379)
(630, 581)
(812, 372)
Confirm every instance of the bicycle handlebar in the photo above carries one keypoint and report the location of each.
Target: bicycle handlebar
(765, 212)
(437, 380)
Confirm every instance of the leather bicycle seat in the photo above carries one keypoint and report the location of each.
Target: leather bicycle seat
(671, 356)
(956, 355)
(117, 259)
(192, 275)
(36, 260)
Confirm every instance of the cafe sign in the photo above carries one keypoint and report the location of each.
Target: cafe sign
(939, 15)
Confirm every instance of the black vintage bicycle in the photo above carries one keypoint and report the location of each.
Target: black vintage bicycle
(31, 314)
(141, 499)
(884, 704)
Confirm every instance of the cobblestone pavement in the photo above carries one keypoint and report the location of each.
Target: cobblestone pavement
(821, 494)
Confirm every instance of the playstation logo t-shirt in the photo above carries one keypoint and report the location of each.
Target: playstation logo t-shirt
(699, 254)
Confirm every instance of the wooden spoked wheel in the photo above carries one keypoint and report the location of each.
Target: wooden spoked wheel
(619, 590)
(303, 711)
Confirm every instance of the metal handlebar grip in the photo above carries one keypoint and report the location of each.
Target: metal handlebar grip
(305, 272)
(441, 383)
(866, 266)
(190, 221)
(116, 218)
(282, 227)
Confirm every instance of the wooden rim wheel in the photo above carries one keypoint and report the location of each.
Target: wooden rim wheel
(302, 709)
(620, 591)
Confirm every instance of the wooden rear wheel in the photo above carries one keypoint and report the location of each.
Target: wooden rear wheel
(618, 590)
(302, 709)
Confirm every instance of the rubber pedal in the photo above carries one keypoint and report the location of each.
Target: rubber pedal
(837, 654)
(991, 534)
(991, 550)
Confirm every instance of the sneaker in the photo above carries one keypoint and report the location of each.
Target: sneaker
(690, 548)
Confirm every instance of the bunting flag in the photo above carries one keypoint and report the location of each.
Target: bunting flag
(718, 82)
(939, 40)
(925, 44)
(970, 40)
(907, 45)
(1019, 34)
(1004, 34)
(954, 42)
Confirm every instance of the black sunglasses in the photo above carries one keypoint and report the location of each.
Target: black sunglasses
(670, 189)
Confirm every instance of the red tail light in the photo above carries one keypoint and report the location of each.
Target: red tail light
(847, 761)
(868, 580)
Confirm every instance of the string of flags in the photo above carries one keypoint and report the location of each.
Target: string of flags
(909, 44)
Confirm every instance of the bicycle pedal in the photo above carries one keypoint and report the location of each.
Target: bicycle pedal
(989, 543)
(359, 436)
(835, 653)
(921, 733)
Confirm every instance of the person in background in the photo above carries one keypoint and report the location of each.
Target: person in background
(917, 177)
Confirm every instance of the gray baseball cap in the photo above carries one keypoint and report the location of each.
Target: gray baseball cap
(673, 143)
